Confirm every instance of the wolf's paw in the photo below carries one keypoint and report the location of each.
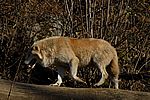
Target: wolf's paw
(55, 85)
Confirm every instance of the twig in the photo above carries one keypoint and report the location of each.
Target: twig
(70, 12)
(108, 10)
(102, 18)
(12, 84)
(143, 66)
(87, 18)
(90, 17)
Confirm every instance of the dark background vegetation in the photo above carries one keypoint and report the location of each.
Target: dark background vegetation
(124, 23)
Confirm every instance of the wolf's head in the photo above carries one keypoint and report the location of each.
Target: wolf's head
(33, 54)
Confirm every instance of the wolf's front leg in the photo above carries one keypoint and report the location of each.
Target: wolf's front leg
(61, 73)
(59, 81)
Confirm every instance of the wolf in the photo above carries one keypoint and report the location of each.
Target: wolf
(72, 53)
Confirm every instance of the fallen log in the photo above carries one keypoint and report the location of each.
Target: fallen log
(23, 91)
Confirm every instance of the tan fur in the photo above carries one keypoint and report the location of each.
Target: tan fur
(64, 52)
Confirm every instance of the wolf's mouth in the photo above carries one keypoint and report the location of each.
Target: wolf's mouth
(32, 62)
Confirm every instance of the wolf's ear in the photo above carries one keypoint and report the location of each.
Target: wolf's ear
(35, 48)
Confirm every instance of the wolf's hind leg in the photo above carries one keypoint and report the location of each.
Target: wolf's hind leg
(104, 75)
(74, 68)
(115, 72)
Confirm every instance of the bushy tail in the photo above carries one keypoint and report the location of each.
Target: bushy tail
(114, 71)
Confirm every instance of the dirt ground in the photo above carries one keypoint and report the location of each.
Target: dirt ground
(23, 91)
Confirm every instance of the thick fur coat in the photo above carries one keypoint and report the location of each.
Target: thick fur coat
(65, 52)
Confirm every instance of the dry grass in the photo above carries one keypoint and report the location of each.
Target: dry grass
(124, 23)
